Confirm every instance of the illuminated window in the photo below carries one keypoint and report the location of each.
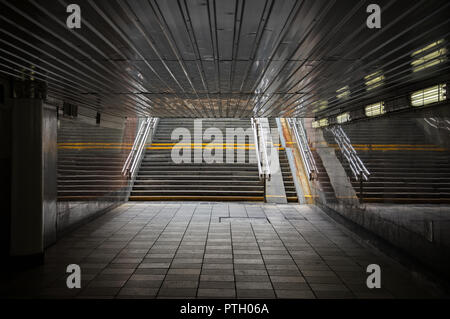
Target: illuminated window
(319, 105)
(375, 109)
(342, 118)
(428, 56)
(429, 95)
(428, 47)
(315, 124)
(323, 122)
(343, 93)
(374, 80)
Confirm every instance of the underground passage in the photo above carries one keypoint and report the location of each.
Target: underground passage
(225, 149)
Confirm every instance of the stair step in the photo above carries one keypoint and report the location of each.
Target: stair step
(159, 178)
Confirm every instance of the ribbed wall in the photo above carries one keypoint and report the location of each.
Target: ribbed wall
(90, 161)
(405, 166)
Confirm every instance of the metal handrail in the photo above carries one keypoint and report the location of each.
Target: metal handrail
(256, 142)
(305, 151)
(140, 149)
(133, 150)
(356, 165)
(264, 152)
(134, 158)
(438, 123)
(261, 150)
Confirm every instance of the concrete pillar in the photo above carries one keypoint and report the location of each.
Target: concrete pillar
(27, 186)
(5, 172)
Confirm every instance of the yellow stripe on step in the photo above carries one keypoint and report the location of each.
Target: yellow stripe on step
(193, 144)
(197, 198)
(198, 147)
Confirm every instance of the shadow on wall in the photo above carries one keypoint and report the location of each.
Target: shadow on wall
(90, 162)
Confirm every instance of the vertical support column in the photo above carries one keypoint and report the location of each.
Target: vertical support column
(5, 172)
(27, 187)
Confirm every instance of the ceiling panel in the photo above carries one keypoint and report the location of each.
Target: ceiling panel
(216, 58)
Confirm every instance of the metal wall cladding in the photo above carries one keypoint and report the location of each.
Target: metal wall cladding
(234, 58)
(50, 161)
(90, 162)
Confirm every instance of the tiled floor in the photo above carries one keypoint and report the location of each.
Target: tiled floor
(207, 250)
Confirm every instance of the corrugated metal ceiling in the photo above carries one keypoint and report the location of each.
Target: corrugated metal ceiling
(222, 58)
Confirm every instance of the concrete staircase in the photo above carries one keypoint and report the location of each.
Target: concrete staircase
(162, 178)
(288, 181)
(90, 160)
(323, 179)
(405, 167)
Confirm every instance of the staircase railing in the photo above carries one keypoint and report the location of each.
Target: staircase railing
(135, 156)
(305, 151)
(264, 151)
(256, 142)
(438, 123)
(261, 150)
(356, 165)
